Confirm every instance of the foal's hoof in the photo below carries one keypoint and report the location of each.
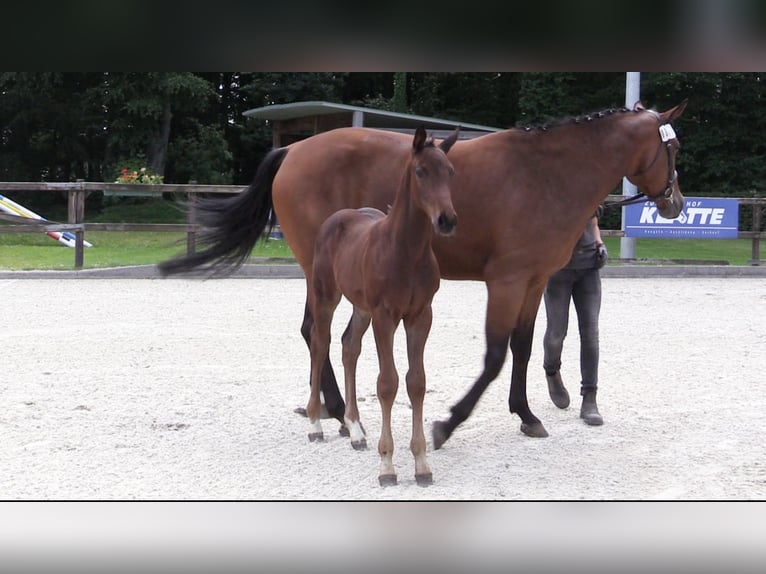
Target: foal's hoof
(316, 437)
(439, 434)
(424, 479)
(359, 444)
(535, 430)
(387, 480)
(343, 431)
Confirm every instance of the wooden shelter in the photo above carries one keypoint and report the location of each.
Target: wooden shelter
(299, 120)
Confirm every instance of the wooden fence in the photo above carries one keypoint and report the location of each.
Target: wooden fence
(77, 192)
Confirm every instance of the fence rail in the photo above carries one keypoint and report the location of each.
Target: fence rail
(78, 191)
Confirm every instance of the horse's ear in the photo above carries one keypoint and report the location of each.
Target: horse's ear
(420, 139)
(638, 106)
(674, 113)
(448, 143)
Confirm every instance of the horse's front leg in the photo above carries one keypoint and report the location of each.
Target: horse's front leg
(352, 347)
(521, 347)
(502, 312)
(383, 327)
(417, 328)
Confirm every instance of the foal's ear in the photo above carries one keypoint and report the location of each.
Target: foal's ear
(674, 113)
(420, 139)
(447, 143)
(638, 106)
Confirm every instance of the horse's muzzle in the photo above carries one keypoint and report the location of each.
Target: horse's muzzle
(446, 224)
(671, 207)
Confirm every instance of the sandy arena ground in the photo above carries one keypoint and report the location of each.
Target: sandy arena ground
(185, 389)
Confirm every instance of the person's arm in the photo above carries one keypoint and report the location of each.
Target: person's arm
(596, 230)
(601, 253)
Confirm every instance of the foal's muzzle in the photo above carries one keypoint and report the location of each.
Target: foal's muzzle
(446, 224)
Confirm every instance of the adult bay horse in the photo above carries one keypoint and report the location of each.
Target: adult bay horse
(385, 266)
(523, 195)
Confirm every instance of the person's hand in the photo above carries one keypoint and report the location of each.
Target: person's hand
(601, 255)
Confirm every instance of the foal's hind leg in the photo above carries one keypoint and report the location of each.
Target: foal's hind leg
(333, 400)
(324, 308)
(352, 347)
(417, 329)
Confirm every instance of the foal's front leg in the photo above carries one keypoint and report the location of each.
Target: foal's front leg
(417, 328)
(352, 347)
(383, 327)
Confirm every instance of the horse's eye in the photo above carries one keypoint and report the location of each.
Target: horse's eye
(420, 172)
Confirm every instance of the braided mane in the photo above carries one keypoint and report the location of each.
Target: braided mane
(554, 123)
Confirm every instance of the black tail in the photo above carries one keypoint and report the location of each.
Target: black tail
(232, 225)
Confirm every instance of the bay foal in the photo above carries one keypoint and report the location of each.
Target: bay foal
(385, 266)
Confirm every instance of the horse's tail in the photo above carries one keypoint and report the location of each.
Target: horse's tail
(231, 226)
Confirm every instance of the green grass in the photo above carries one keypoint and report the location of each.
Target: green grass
(110, 249)
(735, 251)
(26, 251)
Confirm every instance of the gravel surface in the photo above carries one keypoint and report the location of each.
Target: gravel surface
(185, 389)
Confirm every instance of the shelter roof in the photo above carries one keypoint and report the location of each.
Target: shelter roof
(360, 116)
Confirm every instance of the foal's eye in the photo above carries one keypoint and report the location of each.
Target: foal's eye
(420, 172)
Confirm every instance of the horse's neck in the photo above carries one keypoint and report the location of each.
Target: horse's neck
(599, 155)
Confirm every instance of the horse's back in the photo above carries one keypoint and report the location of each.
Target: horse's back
(342, 168)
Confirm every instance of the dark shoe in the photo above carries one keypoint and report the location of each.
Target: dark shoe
(589, 410)
(557, 390)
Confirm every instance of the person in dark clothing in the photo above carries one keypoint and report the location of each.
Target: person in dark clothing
(580, 282)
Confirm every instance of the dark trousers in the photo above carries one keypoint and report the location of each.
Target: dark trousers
(583, 287)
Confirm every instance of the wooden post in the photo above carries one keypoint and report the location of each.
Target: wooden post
(76, 214)
(191, 219)
(756, 260)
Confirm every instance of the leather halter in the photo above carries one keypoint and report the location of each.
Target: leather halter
(671, 146)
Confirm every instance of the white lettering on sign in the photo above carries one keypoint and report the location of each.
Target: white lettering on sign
(698, 215)
(706, 214)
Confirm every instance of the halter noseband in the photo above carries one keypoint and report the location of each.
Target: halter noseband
(668, 136)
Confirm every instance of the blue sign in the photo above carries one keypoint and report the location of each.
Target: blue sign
(701, 218)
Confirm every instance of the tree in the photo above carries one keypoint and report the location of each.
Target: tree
(544, 96)
(140, 107)
(722, 152)
(481, 98)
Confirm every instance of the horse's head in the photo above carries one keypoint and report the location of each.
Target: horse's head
(432, 173)
(657, 178)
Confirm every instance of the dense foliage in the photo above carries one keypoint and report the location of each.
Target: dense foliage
(62, 126)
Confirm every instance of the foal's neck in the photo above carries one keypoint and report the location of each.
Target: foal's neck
(406, 225)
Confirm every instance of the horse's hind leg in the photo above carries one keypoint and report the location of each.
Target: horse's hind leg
(329, 386)
(417, 332)
(388, 383)
(352, 347)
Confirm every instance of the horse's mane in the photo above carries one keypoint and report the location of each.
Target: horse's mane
(569, 120)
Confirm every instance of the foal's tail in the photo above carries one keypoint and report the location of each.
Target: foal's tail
(232, 225)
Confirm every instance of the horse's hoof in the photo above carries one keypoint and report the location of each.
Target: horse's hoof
(424, 479)
(343, 431)
(316, 437)
(387, 480)
(535, 430)
(439, 434)
(359, 444)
